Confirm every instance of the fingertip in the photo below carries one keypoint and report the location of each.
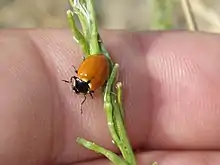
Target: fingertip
(26, 102)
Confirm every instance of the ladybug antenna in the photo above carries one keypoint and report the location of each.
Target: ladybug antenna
(71, 79)
(76, 71)
(91, 94)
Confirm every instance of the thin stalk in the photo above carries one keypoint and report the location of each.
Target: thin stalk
(190, 17)
(93, 42)
(115, 120)
(120, 127)
(108, 154)
(79, 9)
(79, 38)
(162, 14)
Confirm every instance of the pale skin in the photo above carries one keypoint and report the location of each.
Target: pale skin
(171, 95)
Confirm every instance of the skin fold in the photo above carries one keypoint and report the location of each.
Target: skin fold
(171, 98)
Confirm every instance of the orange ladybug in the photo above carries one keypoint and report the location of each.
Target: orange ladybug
(91, 75)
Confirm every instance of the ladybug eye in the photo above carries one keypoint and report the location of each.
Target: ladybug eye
(74, 83)
(75, 90)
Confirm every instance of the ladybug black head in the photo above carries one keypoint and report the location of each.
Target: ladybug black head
(80, 86)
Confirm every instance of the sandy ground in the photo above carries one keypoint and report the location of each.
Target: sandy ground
(113, 14)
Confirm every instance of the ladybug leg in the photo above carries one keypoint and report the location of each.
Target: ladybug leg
(89, 81)
(83, 58)
(66, 81)
(71, 79)
(90, 91)
(82, 104)
(76, 71)
(75, 90)
(91, 94)
(99, 39)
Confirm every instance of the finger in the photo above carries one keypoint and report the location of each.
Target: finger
(60, 53)
(169, 158)
(185, 82)
(27, 103)
(182, 75)
(169, 99)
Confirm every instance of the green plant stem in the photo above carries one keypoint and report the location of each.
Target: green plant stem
(108, 106)
(86, 14)
(113, 108)
(162, 14)
(105, 52)
(120, 127)
(79, 8)
(94, 44)
(91, 43)
(109, 154)
(119, 98)
(189, 15)
(79, 38)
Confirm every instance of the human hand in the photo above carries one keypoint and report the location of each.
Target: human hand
(171, 97)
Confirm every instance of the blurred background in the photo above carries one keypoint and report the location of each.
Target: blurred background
(112, 14)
